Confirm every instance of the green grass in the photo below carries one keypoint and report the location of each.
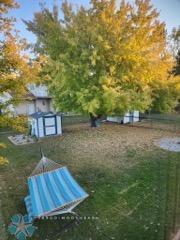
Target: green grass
(131, 183)
(68, 120)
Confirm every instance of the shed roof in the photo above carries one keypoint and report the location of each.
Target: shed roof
(43, 114)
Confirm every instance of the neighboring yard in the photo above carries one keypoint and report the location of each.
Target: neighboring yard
(131, 182)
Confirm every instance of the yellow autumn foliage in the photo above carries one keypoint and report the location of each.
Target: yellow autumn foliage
(3, 161)
(17, 70)
(114, 58)
(2, 145)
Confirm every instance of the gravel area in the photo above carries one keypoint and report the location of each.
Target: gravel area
(170, 144)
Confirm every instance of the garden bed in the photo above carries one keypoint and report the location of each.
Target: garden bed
(21, 139)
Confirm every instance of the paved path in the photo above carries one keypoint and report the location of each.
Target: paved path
(171, 144)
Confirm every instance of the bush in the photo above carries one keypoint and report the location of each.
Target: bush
(3, 161)
(19, 123)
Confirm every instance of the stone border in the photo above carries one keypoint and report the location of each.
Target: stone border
(11, 138)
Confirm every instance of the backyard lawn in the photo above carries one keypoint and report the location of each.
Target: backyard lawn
(131, 183)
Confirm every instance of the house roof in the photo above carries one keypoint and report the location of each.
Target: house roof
(33, 92)
(29, 96)
(45, 97)
(39, 91)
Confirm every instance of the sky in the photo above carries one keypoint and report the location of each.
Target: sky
(169, 13)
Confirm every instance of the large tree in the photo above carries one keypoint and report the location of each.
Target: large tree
(106, 59)
(175, 45)
(16, 68)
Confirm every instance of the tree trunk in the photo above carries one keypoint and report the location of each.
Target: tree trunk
(93, 120)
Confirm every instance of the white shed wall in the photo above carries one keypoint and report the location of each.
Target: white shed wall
(50, 126)
(34, 129)
(114, 119)
(136, 116)
(41, 127)
(59, 125)
(43, 105)
(126, 117)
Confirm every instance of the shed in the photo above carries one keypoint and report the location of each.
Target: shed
(128, 117)
(45, 124)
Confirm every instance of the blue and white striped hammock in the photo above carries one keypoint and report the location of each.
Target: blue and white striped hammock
(52, 191)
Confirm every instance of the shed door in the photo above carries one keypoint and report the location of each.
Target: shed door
(50, 126)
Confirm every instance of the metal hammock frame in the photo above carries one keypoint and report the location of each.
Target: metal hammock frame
(44, 166)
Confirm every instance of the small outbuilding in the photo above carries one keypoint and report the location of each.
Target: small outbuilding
(129, 117)
(45, 124)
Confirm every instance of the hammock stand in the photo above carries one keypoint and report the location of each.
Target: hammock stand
(52, 190)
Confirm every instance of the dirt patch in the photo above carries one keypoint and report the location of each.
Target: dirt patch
(107, 145)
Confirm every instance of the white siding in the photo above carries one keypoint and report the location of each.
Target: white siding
(49, 121)
(30, 108)
(126, 117)
(41, 127)
(136, 116)
(34, 129)
(43, 105)
(117, 119)
(59, 126)
(25, 108)
(49, 124)
(50, 131)
(114, 119)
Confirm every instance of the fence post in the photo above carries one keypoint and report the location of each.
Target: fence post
(151, 123)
